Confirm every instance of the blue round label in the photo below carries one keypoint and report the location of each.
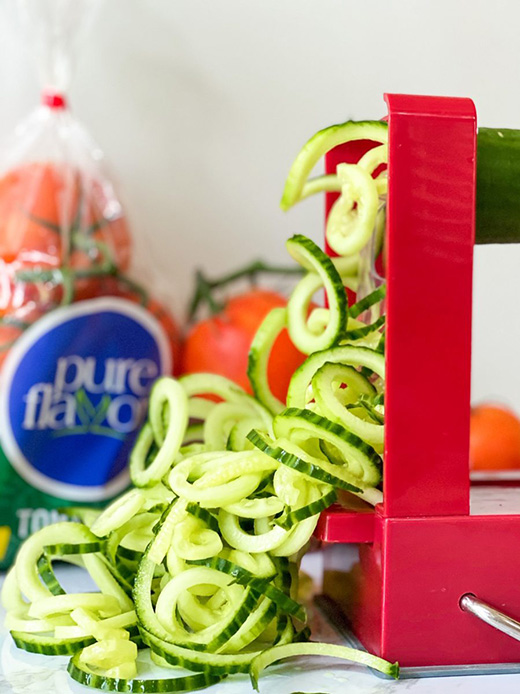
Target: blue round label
(74, 393)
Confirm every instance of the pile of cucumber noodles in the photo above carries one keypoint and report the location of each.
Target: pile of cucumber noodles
(199, 560)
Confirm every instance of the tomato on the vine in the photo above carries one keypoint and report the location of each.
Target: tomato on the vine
(49, 216)
(220, 344)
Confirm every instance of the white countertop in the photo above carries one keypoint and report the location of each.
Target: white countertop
(25, 673)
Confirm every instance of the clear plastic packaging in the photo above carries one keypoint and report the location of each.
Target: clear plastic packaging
(80, 341)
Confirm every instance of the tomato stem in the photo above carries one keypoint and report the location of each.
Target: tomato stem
(203, 293)
(204, 286)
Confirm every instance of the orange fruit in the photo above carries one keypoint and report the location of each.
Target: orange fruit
(494, 438)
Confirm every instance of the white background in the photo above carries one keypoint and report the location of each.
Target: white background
(200, 106)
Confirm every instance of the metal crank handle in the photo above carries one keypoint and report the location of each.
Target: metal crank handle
(470, 603)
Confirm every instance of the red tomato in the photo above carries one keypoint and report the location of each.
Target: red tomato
(221, 343)
(494, 438)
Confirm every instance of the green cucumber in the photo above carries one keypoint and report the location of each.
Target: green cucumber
(252, 628)
(212, 384)
(498, 186)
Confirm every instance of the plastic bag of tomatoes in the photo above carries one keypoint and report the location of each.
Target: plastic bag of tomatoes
(80, 341)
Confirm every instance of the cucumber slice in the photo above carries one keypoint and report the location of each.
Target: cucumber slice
(158, 548)
(234, 488)
(213, 384)
(48, 576)
(373, 159)
(319, 145)
(255, 543)
(118, 513)
(344, 354)
(221, 421)
(19, 620)
(167, 394)
(267, 334)
(199, 661)
(327, 400)
(204, 515)
(314, 468)
(185, 683)
(291, 518)
(285, 604)
(58, 604)
(241, 602)
(49, 645)
(353, 655)
(237, 439)
(33, 548)
(368, 301)
(311, 257)
(63, 549)
(256, 508)
(352, 217)
(328, 183)
(359, 458)
(360, 333)
(103, 575)
(253, 627)
(81, 514)
(192, 539)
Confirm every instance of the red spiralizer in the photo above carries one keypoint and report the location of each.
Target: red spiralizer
(438, 552)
